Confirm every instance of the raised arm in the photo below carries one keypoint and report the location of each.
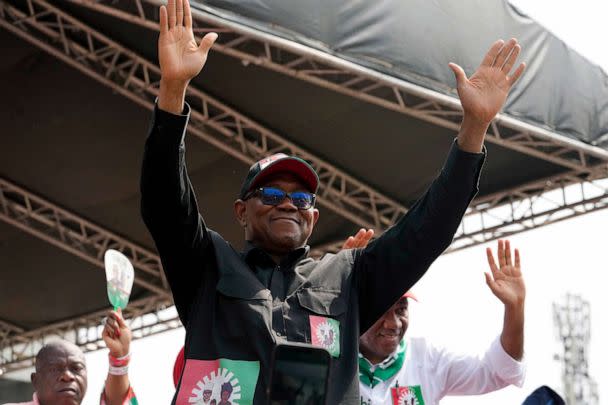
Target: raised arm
(507, 284)
(168, 204)
(502, 363)
(117, 337)
(397, 259)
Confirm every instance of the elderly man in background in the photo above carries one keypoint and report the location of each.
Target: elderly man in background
(60, 377)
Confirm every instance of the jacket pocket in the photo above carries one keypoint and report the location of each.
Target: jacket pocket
(240, 313)
(322, 301)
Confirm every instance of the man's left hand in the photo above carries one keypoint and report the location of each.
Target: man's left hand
(485, 92)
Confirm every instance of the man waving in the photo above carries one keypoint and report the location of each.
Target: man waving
(236, 306)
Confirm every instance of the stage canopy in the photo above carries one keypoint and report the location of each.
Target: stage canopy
(361, 91)
(415, 40)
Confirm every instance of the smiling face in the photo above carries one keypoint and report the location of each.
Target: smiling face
(61, 374)
(277, 229)
(382, 339)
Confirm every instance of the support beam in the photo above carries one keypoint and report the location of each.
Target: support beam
(526, 207)
(255, 47)
(145, 317)
(533, 205)
(95, 55)
(7, 328)
(76, 235)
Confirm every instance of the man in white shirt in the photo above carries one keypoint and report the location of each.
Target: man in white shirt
(394, 370)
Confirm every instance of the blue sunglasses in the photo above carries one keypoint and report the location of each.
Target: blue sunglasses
(303, 200)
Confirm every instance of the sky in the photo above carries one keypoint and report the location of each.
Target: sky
(456, 309)
(581, 24)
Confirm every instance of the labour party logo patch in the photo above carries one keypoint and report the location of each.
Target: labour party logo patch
(407, 395)
(325, 333)
(218, 381)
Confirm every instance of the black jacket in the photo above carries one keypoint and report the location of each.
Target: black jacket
(233, 321)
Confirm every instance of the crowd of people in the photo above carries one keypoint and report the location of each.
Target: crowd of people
(236, 306)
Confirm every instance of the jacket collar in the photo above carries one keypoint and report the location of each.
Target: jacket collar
(254, 255)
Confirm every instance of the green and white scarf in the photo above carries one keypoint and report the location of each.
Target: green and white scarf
(371, 375)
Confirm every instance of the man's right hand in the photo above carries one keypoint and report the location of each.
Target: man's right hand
(181, 59)
(116, 334)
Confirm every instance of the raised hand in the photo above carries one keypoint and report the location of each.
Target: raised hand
(179, 56)
(484, 93)
(506, 281)
(116, 334)
(360, 240)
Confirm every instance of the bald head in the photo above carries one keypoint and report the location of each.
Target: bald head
(50, 351)
(61, 374)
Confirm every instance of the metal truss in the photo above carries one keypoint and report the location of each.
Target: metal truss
(127, 73)
(68, 231)
(76, 235)
(145, 317)
(532, 205)
(523, 208)
(256, 47)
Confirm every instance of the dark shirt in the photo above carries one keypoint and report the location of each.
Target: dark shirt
(236, 306)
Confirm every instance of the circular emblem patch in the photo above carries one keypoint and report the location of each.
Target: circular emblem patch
(220, 387)
(327, 333)
(408, 398)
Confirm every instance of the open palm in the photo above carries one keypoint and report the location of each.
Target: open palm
(506, 281)
(180, 57)
(484, 93)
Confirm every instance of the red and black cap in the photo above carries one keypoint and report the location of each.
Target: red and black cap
(280, 163)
